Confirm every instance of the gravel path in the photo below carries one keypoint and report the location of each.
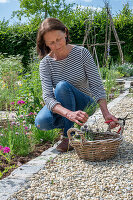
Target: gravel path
(68, 178)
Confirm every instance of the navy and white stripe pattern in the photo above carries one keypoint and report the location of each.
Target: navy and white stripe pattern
(78, 69)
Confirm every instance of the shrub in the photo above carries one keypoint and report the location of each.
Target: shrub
(126, 69)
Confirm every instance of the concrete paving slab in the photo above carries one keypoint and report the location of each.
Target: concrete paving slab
(9, 186)
(26, 171)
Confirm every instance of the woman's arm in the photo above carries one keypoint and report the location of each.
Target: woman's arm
(96, 86)
(79, 117)
(106, 114)
(47, 85)
(94, 80)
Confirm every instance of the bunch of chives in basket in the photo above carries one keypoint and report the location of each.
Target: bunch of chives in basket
(89, 134)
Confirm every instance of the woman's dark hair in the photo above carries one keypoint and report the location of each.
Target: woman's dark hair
(47, 25)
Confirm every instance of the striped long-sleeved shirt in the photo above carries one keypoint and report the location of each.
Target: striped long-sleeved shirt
(78, 69)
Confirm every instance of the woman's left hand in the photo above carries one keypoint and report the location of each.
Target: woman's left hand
(114, 122)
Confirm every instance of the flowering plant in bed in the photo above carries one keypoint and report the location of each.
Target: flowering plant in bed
(5, 153)
(21, 135)
(18, 133)
(23, 138)
(5, 157)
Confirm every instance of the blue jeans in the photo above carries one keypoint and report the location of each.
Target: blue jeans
(70, 98)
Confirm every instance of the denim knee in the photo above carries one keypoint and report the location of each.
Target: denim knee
(61, 87)
(43, 123)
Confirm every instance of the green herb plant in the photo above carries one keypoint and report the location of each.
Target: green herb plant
(89, 134)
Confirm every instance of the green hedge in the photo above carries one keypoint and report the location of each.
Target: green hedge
(18, 40)
(21, 39)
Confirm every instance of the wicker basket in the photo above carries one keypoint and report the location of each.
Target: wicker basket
(98, 149)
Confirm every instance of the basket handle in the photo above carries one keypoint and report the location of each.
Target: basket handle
(121, 129)
(83, 139)
(71, 138)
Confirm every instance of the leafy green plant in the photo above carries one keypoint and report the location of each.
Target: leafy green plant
(110, 76)
(89, 109)
(14, 86)
(44, 136)
(126, 69)
(42, 9)
(10, 68)
(6, 170)
(31, 90)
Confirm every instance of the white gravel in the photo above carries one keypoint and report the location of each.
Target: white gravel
(68, 178)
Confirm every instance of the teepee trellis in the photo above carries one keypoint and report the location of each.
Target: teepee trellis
(91, 43)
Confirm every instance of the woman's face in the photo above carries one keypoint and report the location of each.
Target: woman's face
(55, 40)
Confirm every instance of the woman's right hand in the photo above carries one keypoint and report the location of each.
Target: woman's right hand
(79, 117)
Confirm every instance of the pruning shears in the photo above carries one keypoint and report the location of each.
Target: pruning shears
(120, 121)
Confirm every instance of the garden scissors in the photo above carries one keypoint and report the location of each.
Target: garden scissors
(120, 121)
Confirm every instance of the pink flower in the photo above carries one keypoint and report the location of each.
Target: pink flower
(12, 103)
(1, 147)
(31, 113)
(21, 102)
(6, 150)
(26, 128)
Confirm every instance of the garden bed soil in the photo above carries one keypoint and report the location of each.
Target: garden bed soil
(17, 161)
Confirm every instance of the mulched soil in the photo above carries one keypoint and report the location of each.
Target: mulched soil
(20, 160)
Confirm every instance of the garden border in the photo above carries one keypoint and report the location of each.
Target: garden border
(20, 176)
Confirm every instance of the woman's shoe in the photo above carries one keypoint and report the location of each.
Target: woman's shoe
(64, 146)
